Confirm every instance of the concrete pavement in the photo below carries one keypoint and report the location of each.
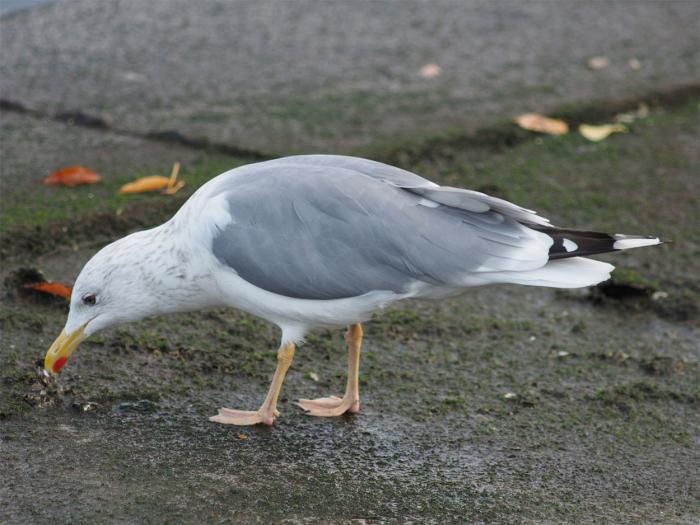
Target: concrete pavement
(309, 76)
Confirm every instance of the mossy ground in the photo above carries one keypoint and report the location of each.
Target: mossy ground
(504, 405)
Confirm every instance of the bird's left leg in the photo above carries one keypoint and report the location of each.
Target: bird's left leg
(335, 406)
(267, 412)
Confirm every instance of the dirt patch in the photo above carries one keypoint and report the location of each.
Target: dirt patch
(93, 227)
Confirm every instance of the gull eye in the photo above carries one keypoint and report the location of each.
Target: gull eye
(90, 299)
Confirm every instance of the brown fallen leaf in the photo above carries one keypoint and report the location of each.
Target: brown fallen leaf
(542, 124)
(598, 133)
(430, 71)
(58, 289)
(72, 176)
(242, 437)
(597, 63)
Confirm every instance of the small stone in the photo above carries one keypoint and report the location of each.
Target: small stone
(510, 395)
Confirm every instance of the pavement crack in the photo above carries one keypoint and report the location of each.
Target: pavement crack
(94, 122)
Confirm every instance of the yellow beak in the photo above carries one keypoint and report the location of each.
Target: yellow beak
(62, 348)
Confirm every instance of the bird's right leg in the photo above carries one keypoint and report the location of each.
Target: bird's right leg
(333, 405)
(267, 412)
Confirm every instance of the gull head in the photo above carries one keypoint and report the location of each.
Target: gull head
(128, 280)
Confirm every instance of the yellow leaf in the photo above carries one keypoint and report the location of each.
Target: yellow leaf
(169, 185)
(634, 64)
(172, 190)
(598, 133)
(173, 174)
(144, 184)
(537, 122)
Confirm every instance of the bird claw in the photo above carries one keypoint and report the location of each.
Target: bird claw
(231, 416)
(329, 406)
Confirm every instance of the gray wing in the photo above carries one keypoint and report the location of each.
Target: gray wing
(460, 198)
(328, 232)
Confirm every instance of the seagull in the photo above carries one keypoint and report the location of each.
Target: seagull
(323, 241)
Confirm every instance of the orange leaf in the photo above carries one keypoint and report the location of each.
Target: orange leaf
(172, 190)
(72, 176)
(537, 122)
(144, 184)
(61, 290)
(173, 175)
(170, 186)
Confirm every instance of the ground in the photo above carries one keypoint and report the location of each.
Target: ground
(505, 405)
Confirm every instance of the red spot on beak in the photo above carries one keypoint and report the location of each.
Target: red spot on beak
(59, 364)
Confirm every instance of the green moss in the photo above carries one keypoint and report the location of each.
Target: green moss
(46, 205)
(630, 276)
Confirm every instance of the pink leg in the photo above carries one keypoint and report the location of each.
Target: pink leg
(267, 412)
(335, 406)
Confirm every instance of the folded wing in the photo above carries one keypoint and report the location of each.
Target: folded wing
(316, 227)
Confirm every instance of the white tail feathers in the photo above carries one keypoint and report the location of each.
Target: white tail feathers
(575, 272)
(624, 242)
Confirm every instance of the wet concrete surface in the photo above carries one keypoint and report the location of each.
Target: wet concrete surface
(303, 76)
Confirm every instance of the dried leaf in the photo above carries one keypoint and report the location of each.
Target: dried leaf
(631, 116)
(597, 63)
(144, 184)
(634, 64)
(173, 174)
(72, 176)
(598, 133)
(61, 290)
(537, 122)
(642, 110)
(172, 190)
(170, 185)
(659, 295)
(430, 71)
(314, 376)
(242, 437)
